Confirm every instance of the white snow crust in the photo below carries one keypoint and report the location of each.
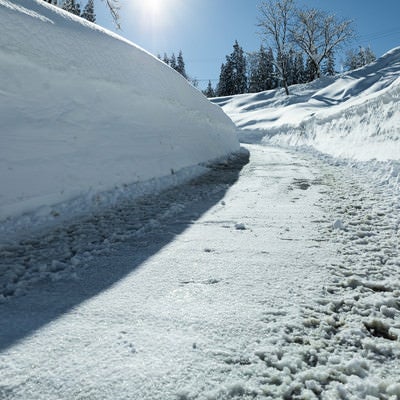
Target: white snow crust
(84, 111)
(355, 115)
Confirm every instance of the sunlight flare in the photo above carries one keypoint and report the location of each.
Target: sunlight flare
(157, 15)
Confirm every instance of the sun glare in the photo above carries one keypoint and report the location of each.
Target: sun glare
(156, 15)
(154, 8)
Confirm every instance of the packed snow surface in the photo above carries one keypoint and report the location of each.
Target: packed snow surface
(84, 111)
(274, 277)
(274, 280)
(354, 115)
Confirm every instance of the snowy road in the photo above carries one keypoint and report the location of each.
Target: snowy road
(233, 286)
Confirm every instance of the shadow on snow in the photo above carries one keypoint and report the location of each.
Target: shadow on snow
(144, 227)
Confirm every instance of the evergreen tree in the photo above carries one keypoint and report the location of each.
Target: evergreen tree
(225, 84)
(366, 55)
(166, 59)
(329, 67)
(290, 65)
(270, 70)
(72, 6)
(239, 69)
(299, 72)
(172, 61)
(88, 12)
(253, 60)
(310, 70)
(358, 59)
(180, 65)
(233, 76)
(209, 92)
(261, 75)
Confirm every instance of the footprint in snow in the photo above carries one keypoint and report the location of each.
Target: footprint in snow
(240, 226)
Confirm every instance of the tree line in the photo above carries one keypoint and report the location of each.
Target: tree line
(74, 7)
(302, 47)
(177, 63)
(299, 46)
(88, 12)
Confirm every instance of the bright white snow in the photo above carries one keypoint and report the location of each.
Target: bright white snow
(83, 111)
(215, 290)
(355, 115)
(276, 279)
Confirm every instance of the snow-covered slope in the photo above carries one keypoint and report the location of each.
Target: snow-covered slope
(83, 110)
(354, 115)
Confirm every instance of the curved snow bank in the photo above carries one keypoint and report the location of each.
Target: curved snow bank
(355, 115)
(83, 110)
(366, 131)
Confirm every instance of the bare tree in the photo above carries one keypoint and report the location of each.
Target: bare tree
(276, 17)
(113, 6)
(319, 34)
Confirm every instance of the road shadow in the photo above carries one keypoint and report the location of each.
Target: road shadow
(146, 225)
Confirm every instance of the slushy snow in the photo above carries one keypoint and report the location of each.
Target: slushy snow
(168, 265)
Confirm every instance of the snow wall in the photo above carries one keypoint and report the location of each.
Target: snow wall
(355, 115)
(84, 111)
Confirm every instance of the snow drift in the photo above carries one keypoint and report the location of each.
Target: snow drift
(354, 115)
(83, 110)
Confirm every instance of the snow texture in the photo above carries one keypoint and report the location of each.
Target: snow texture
(355, 115)
(84, 111)
(170, 298)
(131, 267)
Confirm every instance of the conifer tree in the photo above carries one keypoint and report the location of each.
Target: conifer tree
(165, 59)
(233, 76)
(225, 84)
(180, 65)
(72, 6)
(261, 75)
(290, 65)
(329, 67)
(310, 70)
(357, 59)
(88, 12)
(299, 72)
(239, 69)
(209, 92)
(172, 61)
(270, 70)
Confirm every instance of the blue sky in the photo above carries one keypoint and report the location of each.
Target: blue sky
(205, 30)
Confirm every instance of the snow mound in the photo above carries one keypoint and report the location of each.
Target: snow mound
(84, 111)
(354, 115)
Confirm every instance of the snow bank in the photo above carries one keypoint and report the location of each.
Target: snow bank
(84, 111)
(355, 115)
